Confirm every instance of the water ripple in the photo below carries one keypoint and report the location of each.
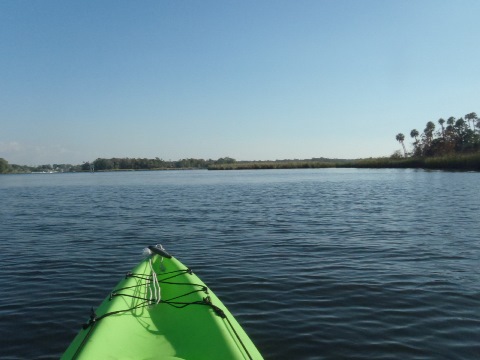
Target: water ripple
(315, 264)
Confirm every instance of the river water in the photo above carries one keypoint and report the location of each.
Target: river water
(315, 264)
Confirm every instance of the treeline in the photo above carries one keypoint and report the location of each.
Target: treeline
(6, 168)
(152, 164)
(452, 137)
(3, 166)
(115, 164)
(454, 144)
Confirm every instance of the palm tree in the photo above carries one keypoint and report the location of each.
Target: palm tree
(429, 130)
(471, 117)
(430, 127)
(460, 124)
(400, 137)
(428, 134)
(441, 122)
(416, 145)
(414, 134)
(460, 128)
(451, 121)
(450, 128)
(450, 124)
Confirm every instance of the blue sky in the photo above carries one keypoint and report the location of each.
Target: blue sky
(253, 80)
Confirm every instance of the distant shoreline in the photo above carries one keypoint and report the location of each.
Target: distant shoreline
(457, 162)
(464, 162)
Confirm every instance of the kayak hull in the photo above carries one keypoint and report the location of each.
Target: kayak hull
(179, 319)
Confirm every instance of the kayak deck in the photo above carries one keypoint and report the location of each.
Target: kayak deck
(162, 310)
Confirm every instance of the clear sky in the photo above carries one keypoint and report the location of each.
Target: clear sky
(253, 80)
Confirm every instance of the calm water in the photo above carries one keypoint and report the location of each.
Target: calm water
(315, 264)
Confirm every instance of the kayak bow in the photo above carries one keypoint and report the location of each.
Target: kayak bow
(161, 310)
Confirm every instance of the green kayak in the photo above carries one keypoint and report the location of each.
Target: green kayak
(161, 310)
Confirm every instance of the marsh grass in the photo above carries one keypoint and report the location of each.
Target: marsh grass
(465, 162)
(257, 165)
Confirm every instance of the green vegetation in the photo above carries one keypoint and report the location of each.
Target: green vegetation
(152, 164)
(460, 136)
(315, 163)
(454, 146)
(3, 166)
(470, 161)
(6, 168)
(114, 164)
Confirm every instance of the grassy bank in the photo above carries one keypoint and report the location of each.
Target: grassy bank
(465, 162)
(256, 165)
